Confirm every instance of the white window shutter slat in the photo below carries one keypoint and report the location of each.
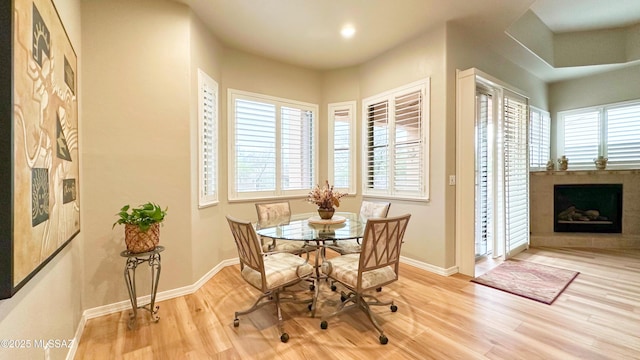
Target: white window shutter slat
(208, 136)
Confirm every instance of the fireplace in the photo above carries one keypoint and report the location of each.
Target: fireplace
(591, 208)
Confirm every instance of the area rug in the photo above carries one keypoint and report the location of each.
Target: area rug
(530, 280)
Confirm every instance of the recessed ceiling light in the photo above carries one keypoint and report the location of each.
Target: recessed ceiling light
(348, 31)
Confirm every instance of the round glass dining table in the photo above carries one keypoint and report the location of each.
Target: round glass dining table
(309, 227)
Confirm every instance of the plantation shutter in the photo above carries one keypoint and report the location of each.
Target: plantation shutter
(407, 163)
(539, 139)
(377, 154)
(483, 181)
(623, 136)
(342, 176)
(297, 148)
(516, 172)
(255, 144)
(581, 138)
(208, 131)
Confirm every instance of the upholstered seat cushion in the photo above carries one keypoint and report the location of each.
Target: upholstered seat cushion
(345, 269)
(282, 245)
(280, 269)
(348, 246)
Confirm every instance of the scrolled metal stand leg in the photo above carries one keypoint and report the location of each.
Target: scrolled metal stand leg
(130, 280)
(155, 264)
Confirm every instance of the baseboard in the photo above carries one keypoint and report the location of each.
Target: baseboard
(161, 296)
(190, 289)
(428, 267)
(76, 338)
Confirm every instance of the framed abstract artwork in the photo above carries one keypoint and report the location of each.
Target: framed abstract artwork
(39, 164)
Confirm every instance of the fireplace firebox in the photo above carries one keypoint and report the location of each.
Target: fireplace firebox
(591, 208)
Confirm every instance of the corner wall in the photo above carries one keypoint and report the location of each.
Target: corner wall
(136, 138)
(50, 305)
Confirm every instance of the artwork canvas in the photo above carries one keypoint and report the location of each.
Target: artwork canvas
(39, 164)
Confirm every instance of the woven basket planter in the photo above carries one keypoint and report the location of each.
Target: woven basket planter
(138, 241)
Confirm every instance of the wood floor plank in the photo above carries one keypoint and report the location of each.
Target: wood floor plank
(596, 317)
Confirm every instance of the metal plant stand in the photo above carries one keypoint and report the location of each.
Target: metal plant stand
(133, 260)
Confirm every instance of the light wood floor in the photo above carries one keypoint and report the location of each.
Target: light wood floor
(597, 317)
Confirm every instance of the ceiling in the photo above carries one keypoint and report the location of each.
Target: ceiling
(307, 32)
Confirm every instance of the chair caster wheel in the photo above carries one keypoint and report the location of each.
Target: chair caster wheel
(236, 322)
(334, 288)
(310, 307)
(394, 308)
(379, 289)
(284, 337)
(312, 287)
(383, 340)
(343, 298)
(324, 325)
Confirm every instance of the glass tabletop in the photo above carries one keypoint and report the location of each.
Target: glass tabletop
(308, 227)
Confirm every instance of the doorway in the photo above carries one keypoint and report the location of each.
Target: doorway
(494, 119)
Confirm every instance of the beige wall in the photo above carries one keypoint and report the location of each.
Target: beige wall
(136, 136)
(610, 87)
(418, 59)
(207, 251)
(50, 305)
(606, 88)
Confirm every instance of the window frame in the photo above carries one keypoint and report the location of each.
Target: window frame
(603, 132)
(207, 198)
(278, 192)
(350, 107)
(389, 96)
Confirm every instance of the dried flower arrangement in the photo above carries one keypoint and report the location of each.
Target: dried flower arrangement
(325, 197)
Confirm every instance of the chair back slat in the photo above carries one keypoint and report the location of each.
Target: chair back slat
(249, 249)
(273, 213)
(373, 209)
(381, 243)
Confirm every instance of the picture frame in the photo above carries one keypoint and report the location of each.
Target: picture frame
(39, 147)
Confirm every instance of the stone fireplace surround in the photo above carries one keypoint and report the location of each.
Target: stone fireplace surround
(541, 209)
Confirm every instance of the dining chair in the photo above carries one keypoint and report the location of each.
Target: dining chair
(270, 273)
(272, 214)
(368, 210)
(376, 265)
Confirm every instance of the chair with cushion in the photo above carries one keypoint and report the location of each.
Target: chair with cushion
(376, 265)
(368, 210)
(270, 273)
(273, 214)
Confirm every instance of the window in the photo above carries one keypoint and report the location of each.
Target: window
(341, 144)
(539, 138)
(612, 131)
(208, 140)
(396, 129)
(272, 146)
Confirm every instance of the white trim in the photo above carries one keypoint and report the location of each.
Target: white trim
(233, 195)
(161, 296)
(428, 267)
(421, 195)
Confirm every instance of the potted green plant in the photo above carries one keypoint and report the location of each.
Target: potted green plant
(141, 226)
